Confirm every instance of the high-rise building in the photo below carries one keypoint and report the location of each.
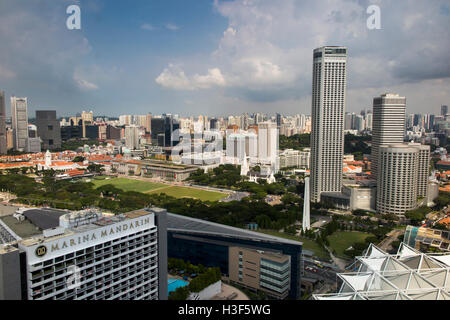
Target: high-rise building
(389, 116)
(48, 129)
(327, 127)
(423, 171)
(132, 137)
(444, 110)
(397, 179)
(85, 255)
(87, 116)
(268, 144)
(3, 144)
(148, 123)
(19, 116)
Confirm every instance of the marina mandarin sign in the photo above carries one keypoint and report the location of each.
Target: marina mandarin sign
(82, 240)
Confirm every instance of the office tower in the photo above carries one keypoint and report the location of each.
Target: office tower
(214, 124)
(148, 123)
(48, 129)
(87, 116)
(236, 148)
(389, 116)
(268, 140)
(423, 171)
(19, 116)
(3, 144)
(410, 121)
(444, 110)
(369, 121)
(170, 126)
(348, 121)
(244, 122)
(397, 179)
(306, 222)
(132, 137)
(157, 129)
(327, 125)
(278, 120)
(86, 255)
(360, 123)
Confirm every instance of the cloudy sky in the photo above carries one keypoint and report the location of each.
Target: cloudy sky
(218, 57)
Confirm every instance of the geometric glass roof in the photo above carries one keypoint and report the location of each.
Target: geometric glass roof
(407, 275)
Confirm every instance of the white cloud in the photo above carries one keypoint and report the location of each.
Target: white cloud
(83, 83)
(175, 78)
(265, 52)
(147, 27)
(172, 27)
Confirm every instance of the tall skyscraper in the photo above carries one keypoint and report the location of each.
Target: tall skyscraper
(423, 171)
(19, 115)
(268, 140)
(48, 129)
(148, 123)
(3, 147)
(132, 137)
(444, 110)
(397, 179)
(327, 128)
(388, 126)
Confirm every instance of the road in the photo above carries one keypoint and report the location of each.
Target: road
(385, 245)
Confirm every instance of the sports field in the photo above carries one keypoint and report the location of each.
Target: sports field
(152, 187)
(129, 184)
(342, 240)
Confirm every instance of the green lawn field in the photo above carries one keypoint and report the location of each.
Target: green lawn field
(186, 192)
(308, 244)
(152, 187)
(341, 240)
(129, 184)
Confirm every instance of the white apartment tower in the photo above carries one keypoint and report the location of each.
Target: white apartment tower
(327, 125)
(388, 124)
(19, 117)
(268, 140)
(132, 137)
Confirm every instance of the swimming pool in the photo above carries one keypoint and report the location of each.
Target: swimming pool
(173, 284)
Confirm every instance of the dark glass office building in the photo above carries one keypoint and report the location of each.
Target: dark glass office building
(210, 244)
(48, 129)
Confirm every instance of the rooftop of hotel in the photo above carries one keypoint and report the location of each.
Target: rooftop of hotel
(31, 230)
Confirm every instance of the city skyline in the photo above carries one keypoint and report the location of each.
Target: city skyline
(160, 61)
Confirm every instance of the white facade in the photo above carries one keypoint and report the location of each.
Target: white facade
(19, 117)
(397, 179)
(388, 125)
(132, 137)
(295, 159)
(95, 257)
(268, 140)
(327, 126)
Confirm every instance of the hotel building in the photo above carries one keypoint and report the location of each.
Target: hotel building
(327, 126)
(84, 255)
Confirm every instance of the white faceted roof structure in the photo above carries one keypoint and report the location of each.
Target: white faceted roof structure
(407, 275)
